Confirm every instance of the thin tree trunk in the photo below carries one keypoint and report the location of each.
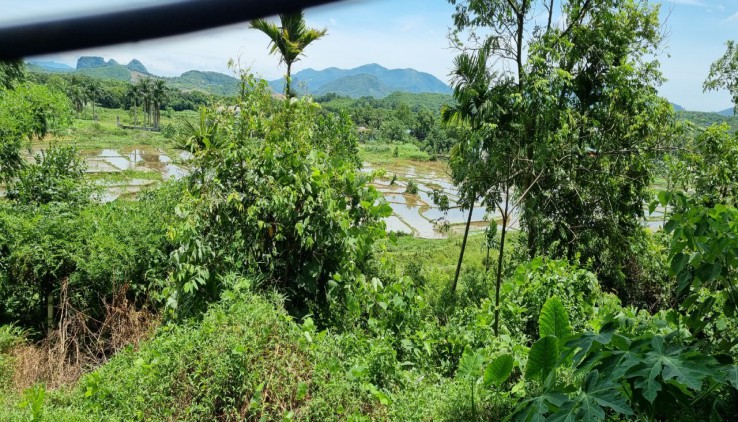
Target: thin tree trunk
(288, 84)
(498, 282)
(50, 313)
(463, 247)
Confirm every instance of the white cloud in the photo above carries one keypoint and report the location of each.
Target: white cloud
(731, 18)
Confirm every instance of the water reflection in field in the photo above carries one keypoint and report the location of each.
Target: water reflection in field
(417, 213)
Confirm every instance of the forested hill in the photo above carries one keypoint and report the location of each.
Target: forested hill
(370, 80)
(703, 119)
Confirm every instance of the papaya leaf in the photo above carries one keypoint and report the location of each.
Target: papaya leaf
(535, 409)
(685, 368)
(498, 371)
(596, 394)
(553, 320)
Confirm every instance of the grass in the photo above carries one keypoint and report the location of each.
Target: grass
(378, 153)
(125, 176)
(88, 134)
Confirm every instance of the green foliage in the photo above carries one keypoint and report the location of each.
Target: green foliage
(553, 320)
(276, 192)
(98, 249)
(713, 166)
(411, 188)
(625, 372)
(577, 116)
(11, 73)
(543, 358)
(289, 40)
(498, 371)
(702, 256)
(55, 176)
(533, 283)
(33, 401)
(27, 111)
(723, 73)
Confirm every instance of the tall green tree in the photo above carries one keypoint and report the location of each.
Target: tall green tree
(289, 40)
(588, 118)
(11, 73)
(133, 93)
(724, 74)
(158, 96)
(93, 91)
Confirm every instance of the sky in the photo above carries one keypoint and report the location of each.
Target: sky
(394, 34)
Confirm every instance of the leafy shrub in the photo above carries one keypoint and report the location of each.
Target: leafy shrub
(277, 193)
(98, 248)
(56, 176)
(524, 294)
(411, 188)
(168, 130)
(646, 375)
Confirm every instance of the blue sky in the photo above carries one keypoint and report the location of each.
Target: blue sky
(399, 34)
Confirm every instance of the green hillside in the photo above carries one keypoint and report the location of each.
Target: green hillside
(703, 119)
(356, 86)
(117, 72)
(212, 82)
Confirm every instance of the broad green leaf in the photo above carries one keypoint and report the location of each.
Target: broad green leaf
(708, 272)
(678, 263)
(470, 365)
(553, 320)
(498, 371)
(536, 408)
(542, 358)
(733, 376)
(686, 368)
(606, 393)
(581, 344)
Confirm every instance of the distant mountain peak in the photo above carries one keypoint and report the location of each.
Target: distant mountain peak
(357, 82)
(137, 66)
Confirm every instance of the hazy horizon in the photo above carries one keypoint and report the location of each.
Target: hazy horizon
(404, 34)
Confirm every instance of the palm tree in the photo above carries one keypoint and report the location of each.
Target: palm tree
(289, 40)
(158, 95)
(93, 91)
(133, 93)
(471, 82)
(78, 96)
(144, 88)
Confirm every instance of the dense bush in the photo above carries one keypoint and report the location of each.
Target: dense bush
(533, 283)
(98, 249)
(276, 193)
(55, 176)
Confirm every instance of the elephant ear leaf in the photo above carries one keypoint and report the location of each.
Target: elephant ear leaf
(543, 358)
(553, 320)
(498, 371)
(470, 365)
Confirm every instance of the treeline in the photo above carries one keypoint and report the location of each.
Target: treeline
(116, 94)
(398, 118)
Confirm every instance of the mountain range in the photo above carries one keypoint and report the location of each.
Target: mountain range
(368, 80)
